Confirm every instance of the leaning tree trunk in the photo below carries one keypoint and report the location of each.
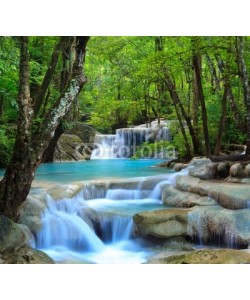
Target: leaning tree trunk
(48, 155)
(32, 142)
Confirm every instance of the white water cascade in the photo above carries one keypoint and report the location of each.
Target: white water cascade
(100, 230)
(123, 144)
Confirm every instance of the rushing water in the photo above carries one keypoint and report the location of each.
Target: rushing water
(96, 226)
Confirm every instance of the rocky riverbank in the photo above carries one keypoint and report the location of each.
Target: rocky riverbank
(211, 208)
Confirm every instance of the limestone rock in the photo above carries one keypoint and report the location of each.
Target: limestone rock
(203, 169)
(162, 223)
(247, 170)
(178, 244)
(207, 256)
(179, 166)
(174, 197)
(12, 236)
(228, 195)
(76, 143)
(85, 132)
(237, 170)
(71, 147)
(27, 255)
(30, 212)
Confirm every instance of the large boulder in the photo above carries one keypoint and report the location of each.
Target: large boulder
(203, 169)
(237, 170)
(206, 256)
(12, 236)
(71, 147)
(26, 255)
(247, 170)
(30, 212)
(174, 197)
(228, 195)
(179, 166)
(76, 143)
(162, 223)
(85, 132)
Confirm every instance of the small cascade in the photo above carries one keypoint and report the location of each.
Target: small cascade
(105, 146)
(115, 228)
(93, 191)
(63, 227)
(171, 180)
(124, 143)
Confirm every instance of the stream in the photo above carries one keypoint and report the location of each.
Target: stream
(96, 226)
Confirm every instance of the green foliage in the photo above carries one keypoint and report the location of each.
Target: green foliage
(7, 141)
(160, 149)
(126, 82)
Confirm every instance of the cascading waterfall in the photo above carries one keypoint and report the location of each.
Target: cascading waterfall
(63, 226)
(116, 228)
(96, 224)
(124, 143)
(105, 146)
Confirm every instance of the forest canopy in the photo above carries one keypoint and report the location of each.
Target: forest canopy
(201, 82)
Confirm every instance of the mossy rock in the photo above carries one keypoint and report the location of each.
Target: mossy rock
(85, 132)
(162, 223)
(207, 256)
(27, 255)
(11, 236)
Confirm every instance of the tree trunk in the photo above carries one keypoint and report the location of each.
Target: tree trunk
(49, 74)
(48, 155)
(32, 142)
(197, 70)
(195, 113)
(177, 102)
(188, 155)
(222, 119)
(215, 79)
(20, 173)
(235, 110)
(246, 87)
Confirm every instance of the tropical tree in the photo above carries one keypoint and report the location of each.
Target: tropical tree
(33, 135)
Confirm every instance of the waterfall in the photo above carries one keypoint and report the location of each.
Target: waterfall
(171, 180)
(123, 144)
(115, 228)
(96, 225)
(62, 226)
(105, 146)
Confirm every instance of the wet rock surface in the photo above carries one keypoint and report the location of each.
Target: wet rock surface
(206, 256)
(162, 223)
